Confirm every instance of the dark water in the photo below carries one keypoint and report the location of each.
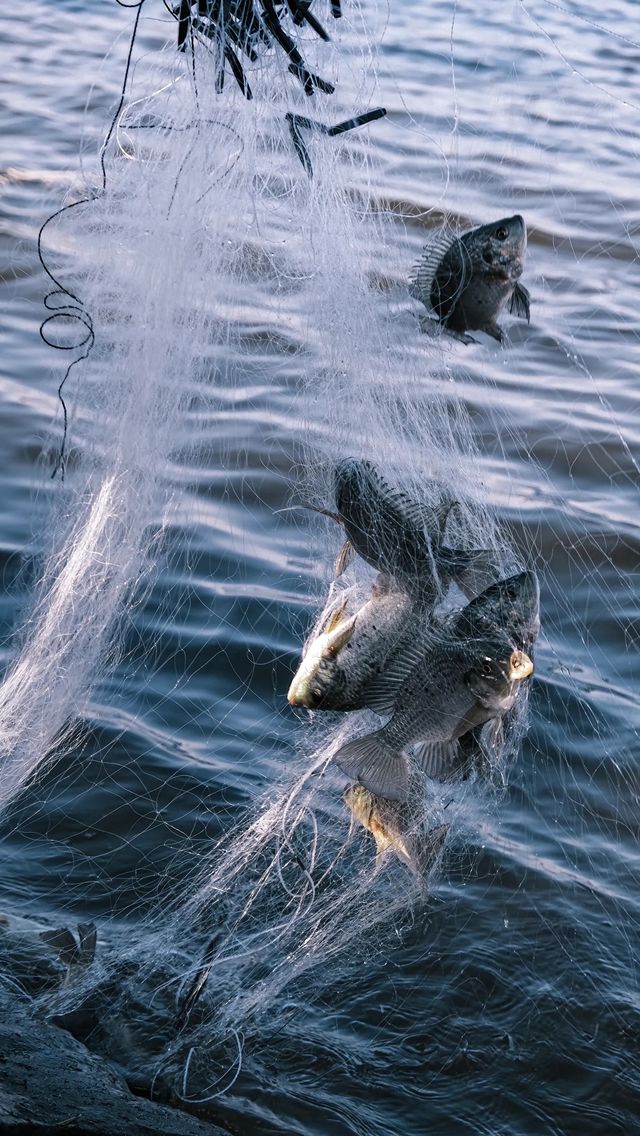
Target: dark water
(511, 1004)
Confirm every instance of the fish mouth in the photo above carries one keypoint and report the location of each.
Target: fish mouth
(301, 691)
(520, 666)
(294, 697)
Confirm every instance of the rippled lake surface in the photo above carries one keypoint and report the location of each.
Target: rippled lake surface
(511, 1005)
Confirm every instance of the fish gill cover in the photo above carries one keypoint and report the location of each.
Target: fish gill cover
(233, 241)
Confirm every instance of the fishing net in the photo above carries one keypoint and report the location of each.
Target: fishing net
(240, 278)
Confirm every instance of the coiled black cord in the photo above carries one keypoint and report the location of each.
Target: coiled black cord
(63, 304)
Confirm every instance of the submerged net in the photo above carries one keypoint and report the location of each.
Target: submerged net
(209, 238)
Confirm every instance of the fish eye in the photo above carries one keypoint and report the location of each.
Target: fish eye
(502, 233)
(316, 693)
(487, 668)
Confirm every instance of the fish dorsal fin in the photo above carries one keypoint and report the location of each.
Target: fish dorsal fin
(381, 694)
(435, 249)
(433, 518)
(440, 515)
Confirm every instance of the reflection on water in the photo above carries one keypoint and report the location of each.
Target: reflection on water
(511, 1003)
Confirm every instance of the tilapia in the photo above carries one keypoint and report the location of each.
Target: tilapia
(392, 826)
(402, 538)
(465, 282)
(513, 603)
(350, 651)
(449, 680)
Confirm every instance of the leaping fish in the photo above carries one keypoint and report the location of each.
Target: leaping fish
(466, 281)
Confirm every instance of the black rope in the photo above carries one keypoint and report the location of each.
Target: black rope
(247, 23)
(243, 25)
(298, 123)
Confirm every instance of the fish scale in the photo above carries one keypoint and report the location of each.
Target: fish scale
(348, 655)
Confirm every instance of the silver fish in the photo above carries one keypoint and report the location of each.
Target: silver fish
(393, 827)
(444, 683)
(465, 282)
(350, 651)
(402, 538)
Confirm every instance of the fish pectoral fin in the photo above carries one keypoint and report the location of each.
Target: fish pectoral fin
(379, 697)
(344, 558)
(383, 842)
(381, 693)
(439, 760)
(334, 618)
(420, 852)
(429, 325)
(476, 716)
(495, 734)
(340, 635)
(382, 770)
(520, 302)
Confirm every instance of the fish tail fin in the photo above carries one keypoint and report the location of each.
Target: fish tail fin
(63, 943)
(88, 934)
(437, 245)
(473, 571)
(381, 769)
